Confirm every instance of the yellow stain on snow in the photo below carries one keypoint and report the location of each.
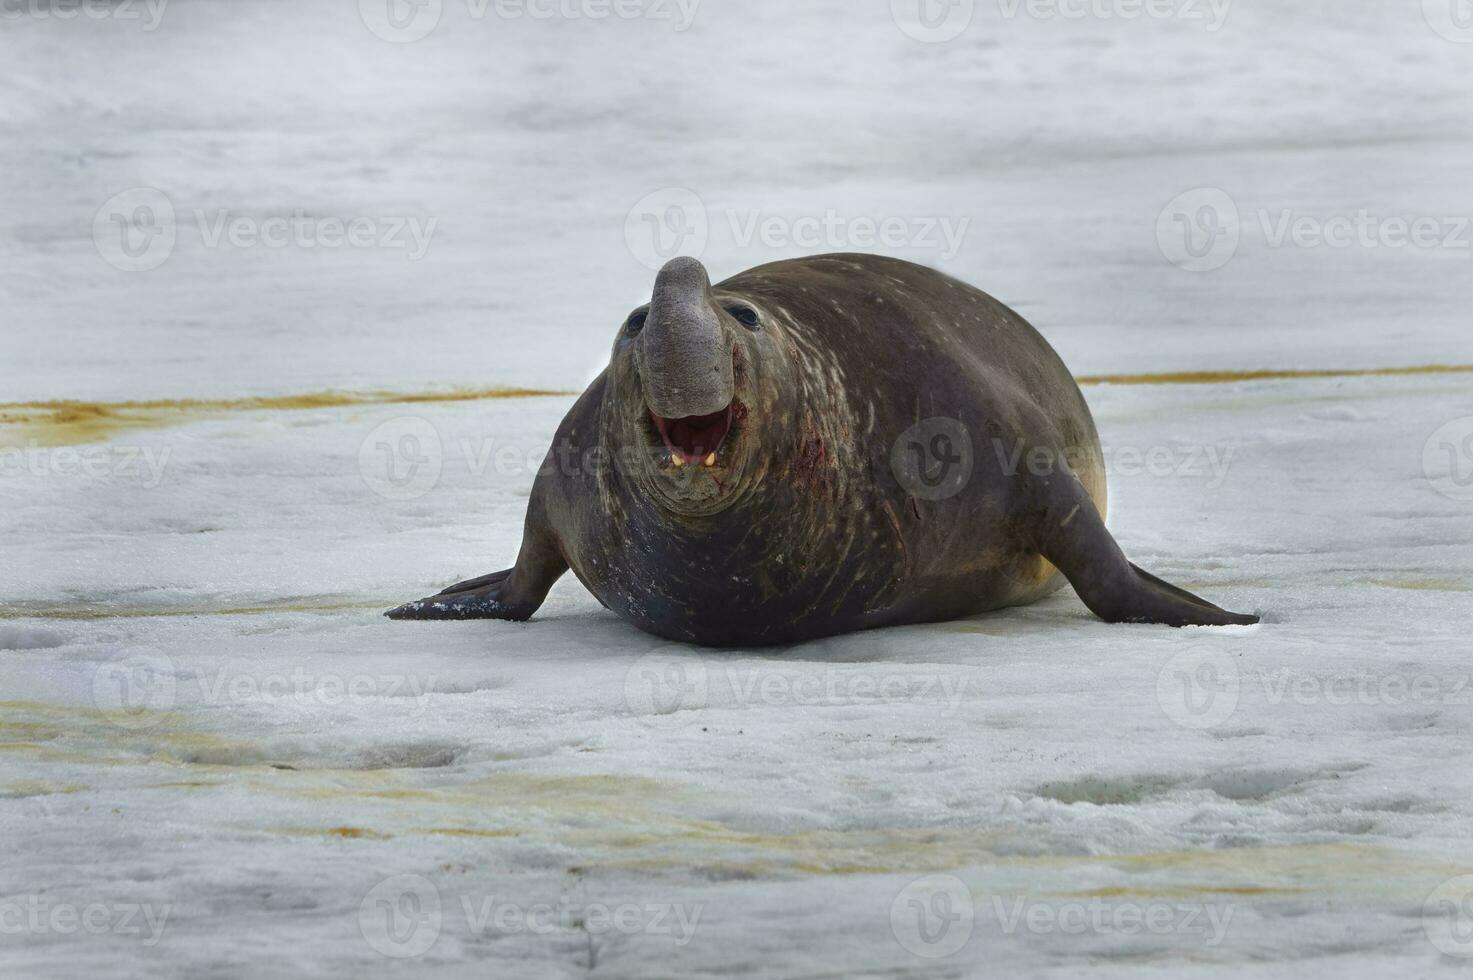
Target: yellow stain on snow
(1243, 872)
(1267, 374)
(348, 833)
(39, 787)
(465, 832)
(1420, 584)
(1197, 585)
(638, 824)
(628, 823)
(189, 784)
(303, 604)
(1178, 891)
(1294, 863)
(612, 794)
(69, 422)
(68, 734)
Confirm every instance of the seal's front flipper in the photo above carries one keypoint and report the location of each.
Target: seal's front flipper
(477, 598)
(1070, 533)
(515, 593)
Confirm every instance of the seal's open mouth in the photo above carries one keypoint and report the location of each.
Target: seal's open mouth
(695, 437)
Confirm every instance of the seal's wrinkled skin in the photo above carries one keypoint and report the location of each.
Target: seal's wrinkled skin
(817, 446)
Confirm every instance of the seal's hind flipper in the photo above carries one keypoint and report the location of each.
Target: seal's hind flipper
(1070, 533)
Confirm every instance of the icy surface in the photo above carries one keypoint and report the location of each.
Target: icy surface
(212, 744)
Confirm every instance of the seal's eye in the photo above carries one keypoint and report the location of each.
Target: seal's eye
(635, 323)
(745, 315)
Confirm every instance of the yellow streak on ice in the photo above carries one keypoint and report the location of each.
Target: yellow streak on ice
(1421, 584)
(1267, 374)
(635, 823)
(306, 604)
(69, 422)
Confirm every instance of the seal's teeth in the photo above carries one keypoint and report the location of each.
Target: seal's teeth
(675, 458)
(711, 460)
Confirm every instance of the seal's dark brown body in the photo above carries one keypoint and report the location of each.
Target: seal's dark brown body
(901, 448)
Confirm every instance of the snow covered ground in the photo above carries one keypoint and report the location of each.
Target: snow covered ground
(216, 759)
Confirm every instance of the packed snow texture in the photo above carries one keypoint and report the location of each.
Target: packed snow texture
(218, 760)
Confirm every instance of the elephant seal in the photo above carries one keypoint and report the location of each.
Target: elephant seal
(816, 446)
